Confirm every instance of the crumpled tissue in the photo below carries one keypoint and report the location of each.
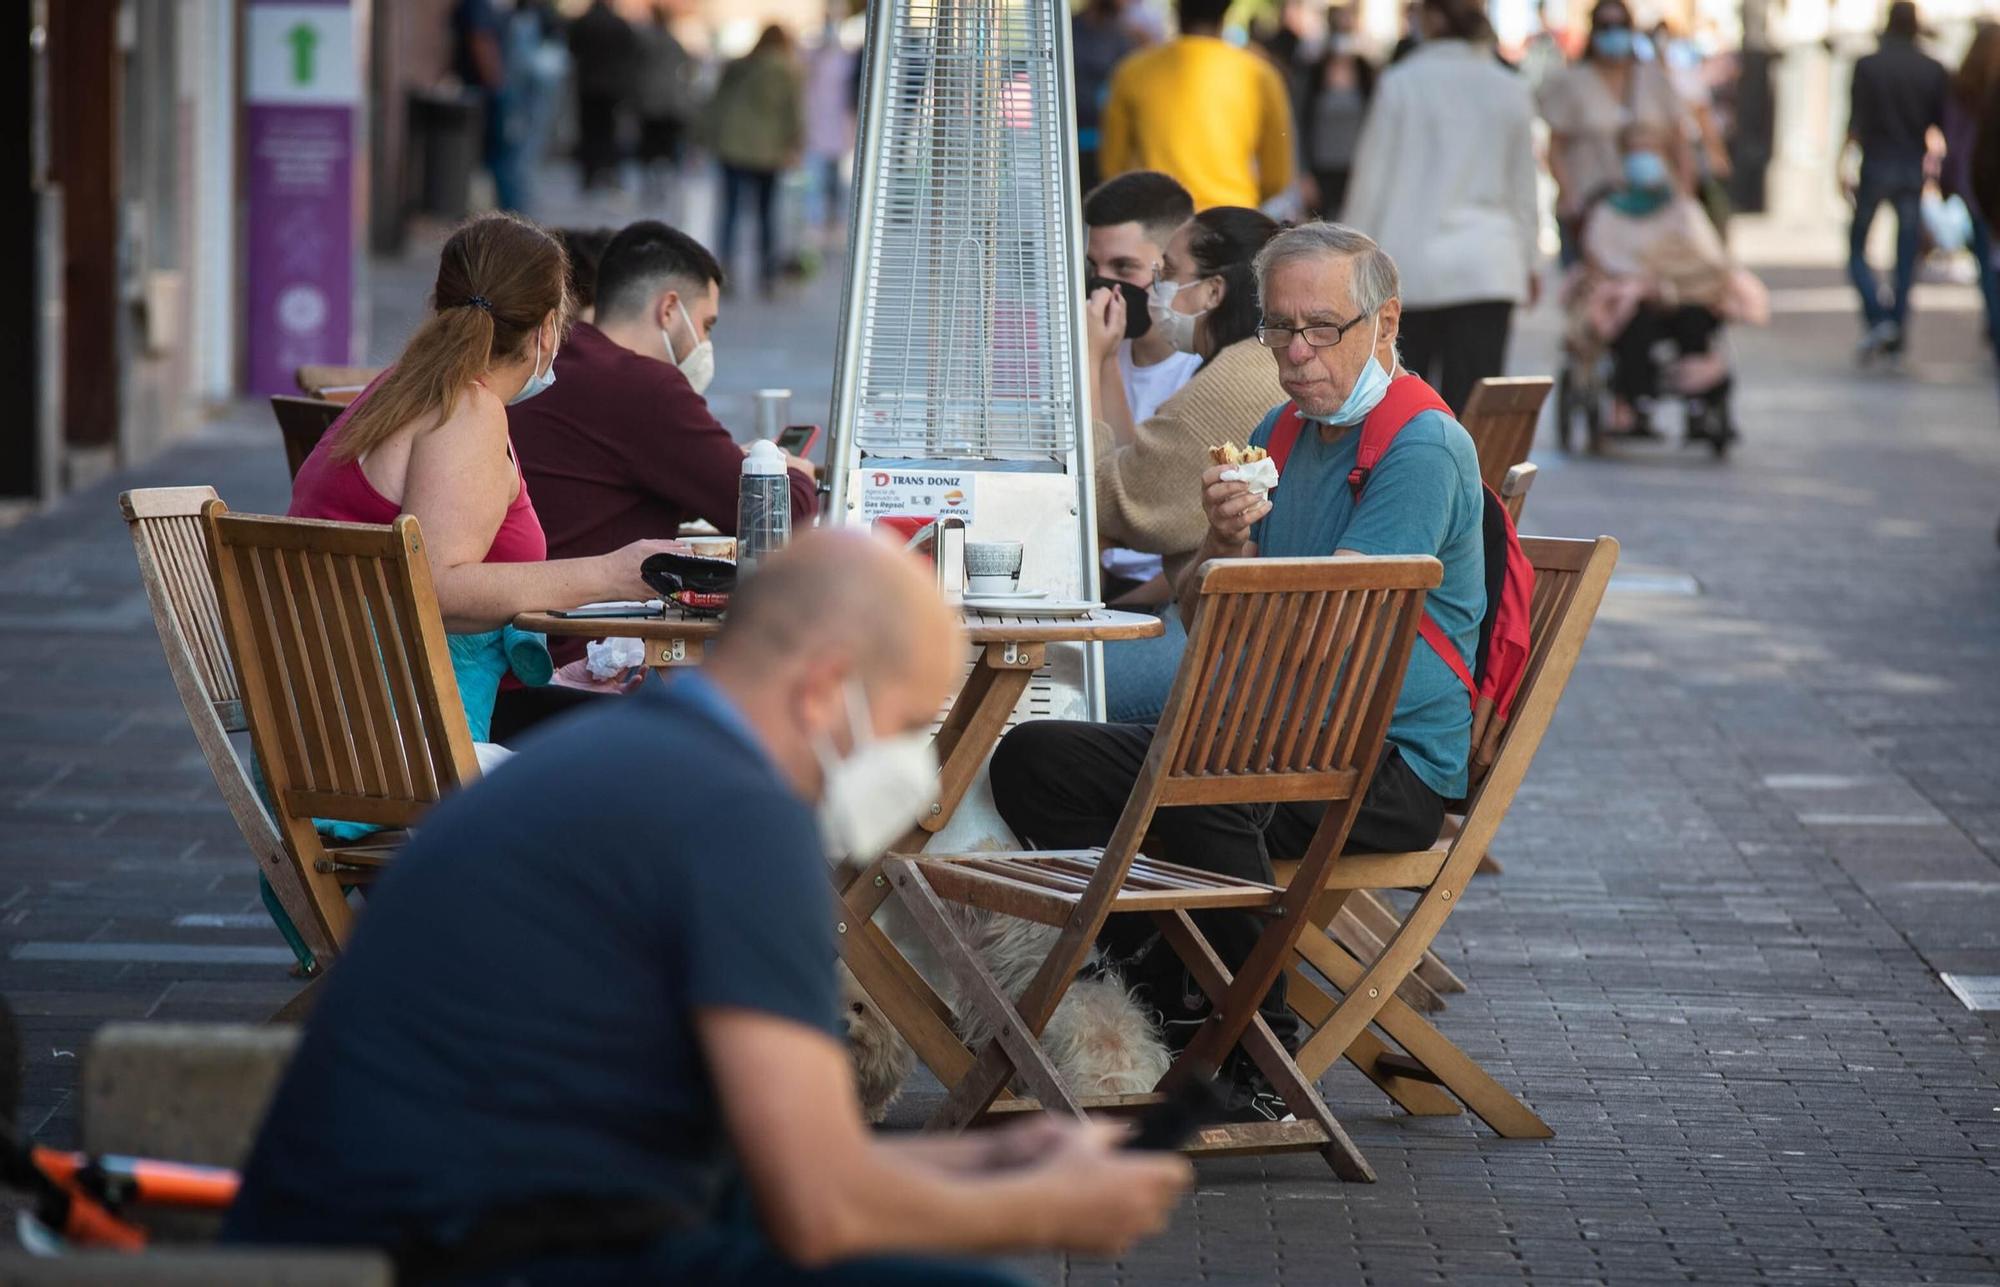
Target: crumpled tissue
(610, 658)
(1262, 475)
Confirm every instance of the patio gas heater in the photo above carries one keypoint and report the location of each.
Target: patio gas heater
(961, 390)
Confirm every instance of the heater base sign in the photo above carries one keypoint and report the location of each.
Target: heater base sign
(941, 494)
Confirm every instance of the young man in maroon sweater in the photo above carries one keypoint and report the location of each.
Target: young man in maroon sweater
(623, 443)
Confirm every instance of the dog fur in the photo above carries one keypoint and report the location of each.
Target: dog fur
(882, 1059)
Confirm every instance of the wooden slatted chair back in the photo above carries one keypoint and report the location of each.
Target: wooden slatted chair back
(344, 668)
(171, 542)
(1501, 416)
(302, 422)
(1280, 694)
(1570, 578)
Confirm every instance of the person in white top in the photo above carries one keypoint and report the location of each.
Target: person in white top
(1444, 180)
(1129, 220)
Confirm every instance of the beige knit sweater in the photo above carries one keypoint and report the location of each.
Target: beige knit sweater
(1149, 489)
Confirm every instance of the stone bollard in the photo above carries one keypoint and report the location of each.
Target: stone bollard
(185, 1092)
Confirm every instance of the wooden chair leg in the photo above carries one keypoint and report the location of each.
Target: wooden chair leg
(1263, 1047)
(1365, 941)
(1489, 865)
(1372, 910)
(1311, 1003)
(1437, 1057)
(1015, 1049)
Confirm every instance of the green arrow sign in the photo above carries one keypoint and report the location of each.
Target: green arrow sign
(304, 40)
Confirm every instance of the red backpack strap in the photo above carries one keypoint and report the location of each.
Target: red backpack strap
(1285, 435)
(1433, 634)
(1408, 397)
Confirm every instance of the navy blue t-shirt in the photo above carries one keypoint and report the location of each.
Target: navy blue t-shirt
(515, 1015)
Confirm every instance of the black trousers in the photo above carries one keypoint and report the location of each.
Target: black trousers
(745, 192)
(597, 143)
(1455, 347)
(518, 710)
(1061, 785)
(1634, 374)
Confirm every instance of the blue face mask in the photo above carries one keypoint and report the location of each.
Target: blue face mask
(538, 380)
(1647, 171)
(1369, 387)
(1612, 42)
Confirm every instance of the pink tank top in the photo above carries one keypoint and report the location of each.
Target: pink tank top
(332, 488)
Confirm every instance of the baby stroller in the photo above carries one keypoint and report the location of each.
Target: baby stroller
(1644, 314)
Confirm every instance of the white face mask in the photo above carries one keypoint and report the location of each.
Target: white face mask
(538, 379)
(872, 797)
(1178, 327)
(698, 364)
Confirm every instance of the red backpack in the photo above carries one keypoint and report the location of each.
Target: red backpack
(1502, 657)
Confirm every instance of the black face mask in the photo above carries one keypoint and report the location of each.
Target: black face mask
(1137, 320)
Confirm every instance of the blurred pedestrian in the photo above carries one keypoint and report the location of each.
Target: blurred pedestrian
(1198, 108)
(537, 64)
(1973, 88)
(479, 60)
(756, 120)
(1897, 98)
(1591, 102)
(1444, 180)
(605, 52)
(829, 111)
(1413, 33)
(1332, 105)
(1099, 38)
(1687, 71)
(667, 101)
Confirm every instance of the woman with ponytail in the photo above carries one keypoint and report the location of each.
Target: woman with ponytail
(429, 438)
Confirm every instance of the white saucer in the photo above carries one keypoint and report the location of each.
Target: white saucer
(996, 607)
(1006, 594)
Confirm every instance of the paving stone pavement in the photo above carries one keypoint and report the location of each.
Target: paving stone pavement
(1768, 813)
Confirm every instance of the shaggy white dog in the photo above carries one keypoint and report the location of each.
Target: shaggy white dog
(882, 1059)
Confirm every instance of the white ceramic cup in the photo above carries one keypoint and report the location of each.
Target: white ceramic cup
(992, 567)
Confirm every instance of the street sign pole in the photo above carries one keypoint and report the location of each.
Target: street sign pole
(301, 79)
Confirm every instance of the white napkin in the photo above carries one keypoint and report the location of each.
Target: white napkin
(610, 658)
(1262, 475)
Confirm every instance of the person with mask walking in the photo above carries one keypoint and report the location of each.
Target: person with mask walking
(1590, 103)
(1333, 103)
(1464, 223)
(591, 1036)
(1203, 302)
(625, 443)
(1896, 99)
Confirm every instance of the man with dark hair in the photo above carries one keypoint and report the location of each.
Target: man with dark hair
(623, 441)
(1897, 99)
(1216, 117)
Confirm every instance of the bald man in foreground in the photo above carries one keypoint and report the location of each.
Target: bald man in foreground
(587, 1029)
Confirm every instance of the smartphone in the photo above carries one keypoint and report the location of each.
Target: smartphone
(1167, 1125)
(611, 611)
(798, 440)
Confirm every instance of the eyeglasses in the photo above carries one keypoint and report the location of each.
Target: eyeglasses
(1320, 337)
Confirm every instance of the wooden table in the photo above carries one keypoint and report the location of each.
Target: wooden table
(1011, 650)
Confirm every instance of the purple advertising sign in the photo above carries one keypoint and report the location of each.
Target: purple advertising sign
(300, 90)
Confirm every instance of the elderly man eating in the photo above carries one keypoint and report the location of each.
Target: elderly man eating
(1330, 314)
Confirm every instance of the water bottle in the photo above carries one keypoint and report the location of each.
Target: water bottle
(763, 506)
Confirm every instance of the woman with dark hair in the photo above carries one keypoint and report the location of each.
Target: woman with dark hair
(1332, 107)
(429, 438)
(1592, 101)
(1148, 475)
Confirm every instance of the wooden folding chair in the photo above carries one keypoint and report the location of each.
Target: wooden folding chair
(1570, 577)
(1284, 694)
(302, 422)
(175, 566)
(347, 687)
(1501, 415)
(341, 384)
(1515, 486)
